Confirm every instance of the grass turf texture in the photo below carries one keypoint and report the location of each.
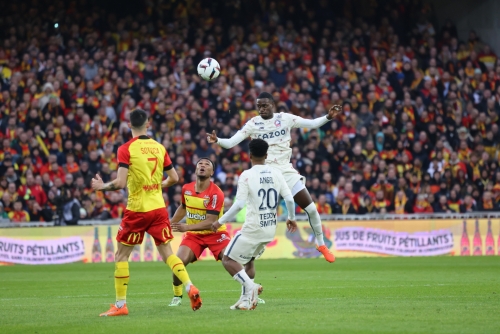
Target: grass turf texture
(364, 295)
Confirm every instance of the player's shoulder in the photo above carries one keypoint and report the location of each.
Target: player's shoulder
(284, 115)
(254, 122)
(214, 189)
(188, 188)
(246, 175)
(126, 145)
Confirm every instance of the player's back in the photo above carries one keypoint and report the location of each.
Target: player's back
(146, 160)
(264, 186)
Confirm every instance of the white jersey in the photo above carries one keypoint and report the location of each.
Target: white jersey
(276, 132)
(260, 188)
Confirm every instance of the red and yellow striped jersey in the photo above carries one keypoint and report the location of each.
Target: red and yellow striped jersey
(146, 159)
(198, 205)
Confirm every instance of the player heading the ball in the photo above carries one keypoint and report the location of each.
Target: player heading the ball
(275, 129)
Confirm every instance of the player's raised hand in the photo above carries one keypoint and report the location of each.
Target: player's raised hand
(334, 111)
(178, 227)
(97, 183)
(291, 225)
(212, 137)
(216, 225)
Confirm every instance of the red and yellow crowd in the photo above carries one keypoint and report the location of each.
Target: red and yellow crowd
(419, 132)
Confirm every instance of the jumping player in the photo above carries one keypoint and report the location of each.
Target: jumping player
(202, 204)
(275, 129)
(259, 189)
(141, 163)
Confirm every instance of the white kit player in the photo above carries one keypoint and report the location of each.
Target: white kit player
(275, 129)
(259, 189)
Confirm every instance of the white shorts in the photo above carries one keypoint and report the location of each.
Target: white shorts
(242, 248)
(294, 180)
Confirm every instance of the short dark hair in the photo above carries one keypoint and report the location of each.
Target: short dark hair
(138, 118)
(258, 148)
(204, 158)
(265, 95)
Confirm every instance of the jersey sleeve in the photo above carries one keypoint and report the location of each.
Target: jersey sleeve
(245, 132)
(167, 163)
(216, 202)
(242, 192)
(299, 122)
(183, 191)
(123, 156)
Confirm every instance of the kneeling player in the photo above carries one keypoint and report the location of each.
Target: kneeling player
(259, 188)
(202, 204)
(141, 162)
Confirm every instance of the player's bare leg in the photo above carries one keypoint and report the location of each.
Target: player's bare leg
(304, 200)
(187, 256)
(250, 289)
(122, 278)
(180, 271)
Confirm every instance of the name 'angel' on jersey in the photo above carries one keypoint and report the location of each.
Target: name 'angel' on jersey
(276, 132)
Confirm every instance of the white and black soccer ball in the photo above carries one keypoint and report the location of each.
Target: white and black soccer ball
(208, 69)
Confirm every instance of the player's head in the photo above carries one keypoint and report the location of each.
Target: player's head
(138, 119)
(204, 168)
(265, 105)
(258, 150)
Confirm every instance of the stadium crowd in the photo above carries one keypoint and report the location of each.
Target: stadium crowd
(419, 132)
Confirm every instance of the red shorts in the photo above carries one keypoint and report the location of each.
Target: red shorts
(215, 242)
(134, 224)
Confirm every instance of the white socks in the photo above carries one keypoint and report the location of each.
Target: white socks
(245, 281)
(120, 303)
(187, 286)
(243, 288)
(315, 222)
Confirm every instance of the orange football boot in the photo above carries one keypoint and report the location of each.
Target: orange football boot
(194, 296)
(326, 253)
(115, 311)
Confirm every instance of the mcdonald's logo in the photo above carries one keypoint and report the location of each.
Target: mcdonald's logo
(135, 237)
(165, 233)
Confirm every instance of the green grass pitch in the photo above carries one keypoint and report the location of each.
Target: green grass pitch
(363, 295)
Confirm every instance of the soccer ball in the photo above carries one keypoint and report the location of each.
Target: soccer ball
(208, 69)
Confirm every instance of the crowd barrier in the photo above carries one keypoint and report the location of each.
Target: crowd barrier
(346, 238)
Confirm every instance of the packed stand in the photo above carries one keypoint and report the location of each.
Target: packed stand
(419, 132)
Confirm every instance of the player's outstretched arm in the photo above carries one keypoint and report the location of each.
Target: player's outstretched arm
(229, 215)
(300, 122)
(172, 178)
(227, 143)
(179, 214)
(119, 183)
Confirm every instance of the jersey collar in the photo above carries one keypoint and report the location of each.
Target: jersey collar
(143, 137)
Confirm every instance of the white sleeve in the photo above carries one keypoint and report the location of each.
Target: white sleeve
(240, 136)
(290, 207)
(241, 199)
(287, 196)
(299, 122)
(229, 215)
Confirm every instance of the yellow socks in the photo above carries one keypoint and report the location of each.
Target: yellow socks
(179, 270)
(121, 281)
(177, 290)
